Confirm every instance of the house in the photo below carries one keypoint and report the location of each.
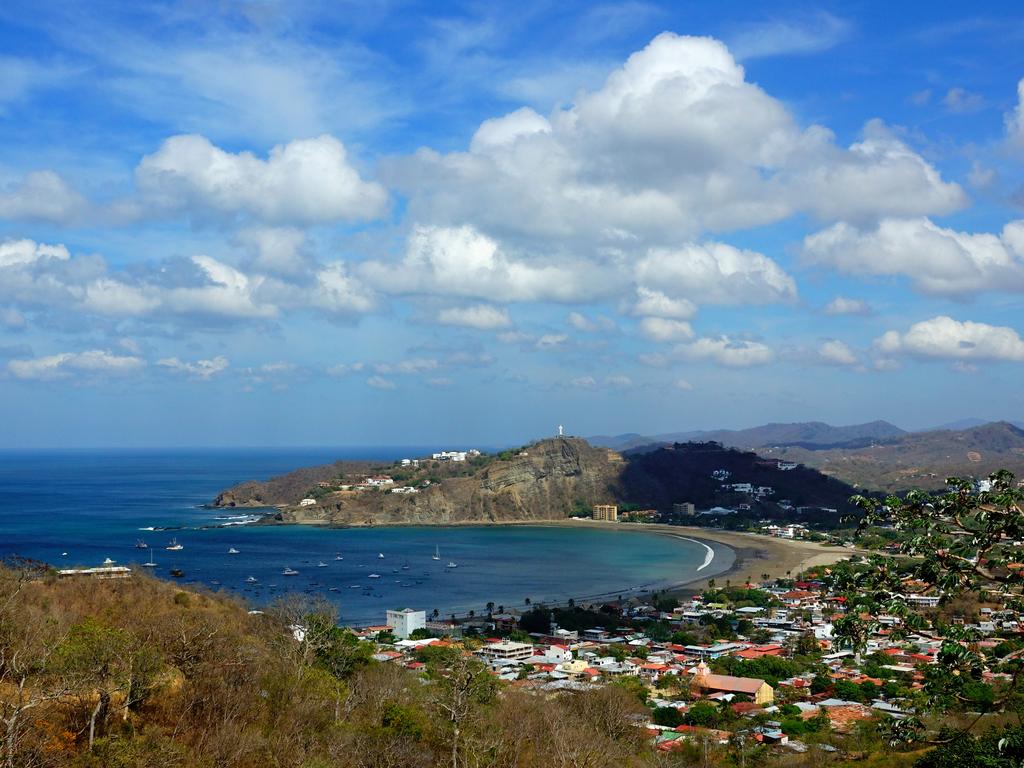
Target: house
(406, 621)
(378, 481)
(307, 502)
(758, 690)
(507, 651)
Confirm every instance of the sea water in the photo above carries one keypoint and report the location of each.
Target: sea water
(76, 508)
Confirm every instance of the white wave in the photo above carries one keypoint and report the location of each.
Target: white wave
(708, 558)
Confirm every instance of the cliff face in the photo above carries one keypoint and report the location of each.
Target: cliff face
(543, 482)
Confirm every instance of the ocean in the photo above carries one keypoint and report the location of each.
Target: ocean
(76, 508)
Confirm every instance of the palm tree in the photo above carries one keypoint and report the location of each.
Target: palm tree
(527, 601)
(571, 603)
(472, 613)
(436, 613)
(490, 607)
(501, 609)
(765, 576)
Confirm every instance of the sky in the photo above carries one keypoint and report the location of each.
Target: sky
(329, 223)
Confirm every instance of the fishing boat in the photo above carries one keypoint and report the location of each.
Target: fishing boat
(108, 561)
(374, 575)
(174, 546)
(140, 544)
(177, 573)
(321, 564)
(437, 553)
(451, 564)
(338, 557)
(405, 567)
(251, 580)
(289, 572)
(232, 551)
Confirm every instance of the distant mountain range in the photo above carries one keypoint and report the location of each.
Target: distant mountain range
(875, 456)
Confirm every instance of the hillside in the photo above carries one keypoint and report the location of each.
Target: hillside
(918, 460)
(549, 480)
(543, 481)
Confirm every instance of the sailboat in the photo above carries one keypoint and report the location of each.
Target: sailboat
(174, 546)
(380, 555)
(437, 553)
(150, 564)
(108, 561)
(232, 551)
(140, 544)
(338, 557)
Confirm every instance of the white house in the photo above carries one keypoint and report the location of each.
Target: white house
(307, 502)
(406, 621)
(379, 481)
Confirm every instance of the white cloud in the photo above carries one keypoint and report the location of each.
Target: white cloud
(715, 273)
(460, 261)
(15, 253)
(200, 369)
(674, 144)
(379, 382)
(228, 292)
(961, 101)
(42, 195)
(482, 316)
(731, 353)
(1015, 120)
(683, 384)
(937, 260)
(344, 369)
(619, 381)
(68, 364)
(584, 382)
(656, 304)
(411, 366)
(811, 34)
(581, 322)
(841, 305)
(551, 340)
(835, 352)
(12, 319)
(307, 181)
(665, 329)
(277, 250)
(946, 338)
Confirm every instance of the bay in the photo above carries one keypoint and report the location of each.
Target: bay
(91, 505)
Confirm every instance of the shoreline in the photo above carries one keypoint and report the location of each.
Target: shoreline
(754, 555)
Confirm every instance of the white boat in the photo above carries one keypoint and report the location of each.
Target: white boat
(437, 553)
(251, 580)
(174, 546)
(321, 564)
(232, 551)
(108, 561)
(338, 557)
(289, 572)
(451, 565)
(374, 576)
(150, 564)
(380, 555)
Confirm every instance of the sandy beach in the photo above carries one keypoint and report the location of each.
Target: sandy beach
(755, 555)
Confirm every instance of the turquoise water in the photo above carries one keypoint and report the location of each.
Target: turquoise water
(92, 505)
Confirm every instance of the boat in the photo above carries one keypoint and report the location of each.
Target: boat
(405, 567)
(338, 557)
(437, 553)
(451, 565)
(380, 555)
(108, 561)
(232, 551)
(289, 572)
(321, 564)
(150, 564)
(355, 586)
(140, 544)
(148, 528)
(177, 573)
(174, 546)
(251, 580)
(374, 575)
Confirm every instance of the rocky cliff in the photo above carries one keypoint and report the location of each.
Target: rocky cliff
(547, 480)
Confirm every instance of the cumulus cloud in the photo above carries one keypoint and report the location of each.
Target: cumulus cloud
(841, 305)
(345, 369)
(1015, 120)
(715, 273)
(461, 261)
(962, 101)
(665, 329)
(587, 324)
(91, 362)
(307, 181)
(675, 143)
(42, 195)
(481, 316)
(945, 338)
(683, 384)
(936, 259)
(200, 369)
(379, 382)
(725, 351)
(19, 253)
(654, 303)
(835, 352)
(583, 382)
(277, 250)
(411, 366)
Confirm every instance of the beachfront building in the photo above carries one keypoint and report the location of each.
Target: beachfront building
(507, 651)
(686, 508)
(608, 512)
(706, 683)
(406, 621)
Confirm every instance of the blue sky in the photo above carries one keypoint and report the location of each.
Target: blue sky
(263, 223)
